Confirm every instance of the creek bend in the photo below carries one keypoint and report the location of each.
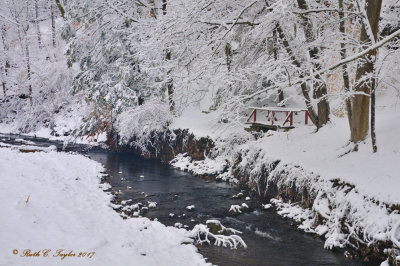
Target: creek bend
(270, 239)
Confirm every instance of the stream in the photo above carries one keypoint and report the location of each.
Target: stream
(270, 239)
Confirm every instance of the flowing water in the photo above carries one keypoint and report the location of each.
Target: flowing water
(270, 239)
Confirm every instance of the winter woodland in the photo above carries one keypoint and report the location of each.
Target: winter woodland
(127, 70)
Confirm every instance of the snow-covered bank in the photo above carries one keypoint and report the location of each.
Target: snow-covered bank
(326, 152)
(341, 213)
(57, 134)
(54, 201)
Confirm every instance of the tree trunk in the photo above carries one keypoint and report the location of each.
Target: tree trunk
(170, 85)
(320, 89)
(3, 81)
(281, 96)
(39, 37)
(4, 70)
(28, 68)
(373, 134)
(343, 55)
(228, 54)
(53, 23)
(170, 82)
(361, 102)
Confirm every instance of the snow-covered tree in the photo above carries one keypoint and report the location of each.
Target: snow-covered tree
(110, 74)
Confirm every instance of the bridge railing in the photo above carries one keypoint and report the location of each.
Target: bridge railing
(278, 117)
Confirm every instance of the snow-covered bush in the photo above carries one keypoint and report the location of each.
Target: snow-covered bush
(137, 126)
(51, 99)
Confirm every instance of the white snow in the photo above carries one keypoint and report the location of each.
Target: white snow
(152, 204)
(375, 175)
(190, 207)
(199, 123)
(245, 206)
(311, 160)
(266, 206)
(235, 208)
(52, 200)
(206, 167)
(326, 152)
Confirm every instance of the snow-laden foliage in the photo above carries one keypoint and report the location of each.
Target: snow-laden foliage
(241, 53)
(110, 76)
(35, 81)
(223, 55)
(139, 125)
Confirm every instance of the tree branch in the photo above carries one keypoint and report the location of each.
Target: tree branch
(60, 7)
(362, 53)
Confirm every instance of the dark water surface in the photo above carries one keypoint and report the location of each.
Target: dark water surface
(270, 239)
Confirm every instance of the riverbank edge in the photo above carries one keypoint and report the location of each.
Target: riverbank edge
(287, 182)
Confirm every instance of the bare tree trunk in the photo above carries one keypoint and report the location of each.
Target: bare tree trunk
(3, 81)
(373, 133)
(39, 37)
(320, 89)
(361, 102)
(170, 82)
(4, 70)
(281, 96)
(27, 55)
(28, 67)
(228, 54)
(170, 85)
(53, 23)
(343, 55)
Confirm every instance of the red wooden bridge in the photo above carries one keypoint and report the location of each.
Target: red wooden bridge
(277, 117)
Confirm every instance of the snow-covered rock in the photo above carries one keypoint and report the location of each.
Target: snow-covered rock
(190, 208)
(235, 209)
(266, 206)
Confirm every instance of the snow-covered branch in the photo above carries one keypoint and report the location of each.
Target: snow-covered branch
(363, 53)
(201, 233)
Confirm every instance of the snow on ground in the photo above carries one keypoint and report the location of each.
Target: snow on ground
(375, 175)
(199, 123)
(54, 201)
(47, 134)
